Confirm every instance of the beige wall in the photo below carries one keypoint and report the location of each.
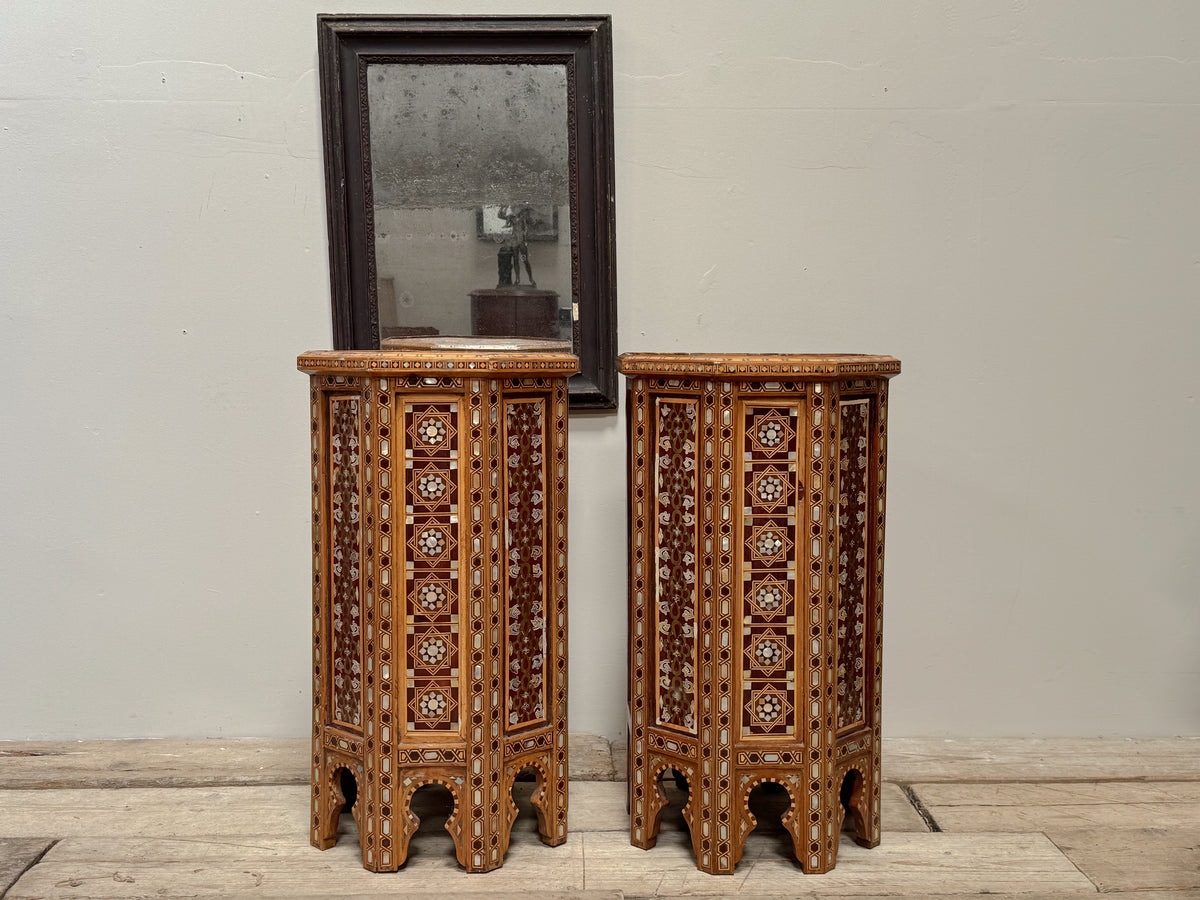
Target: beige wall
(1003, 195)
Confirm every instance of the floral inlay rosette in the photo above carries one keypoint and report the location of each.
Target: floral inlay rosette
(431, 486)
(771, 434)
(768, 652)
(432, 597)
(431, 541)
(431, 431)
(433, 650)
(435, 707)
(767, 596)
(768, 707)
(770, 488)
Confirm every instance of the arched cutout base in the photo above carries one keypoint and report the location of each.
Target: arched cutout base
(532, 784)
(546, 799)
(767, 803)
(772, 796)
(394, 806)
(430, 805)
(671, 789)
(341, 792)
(855, 799)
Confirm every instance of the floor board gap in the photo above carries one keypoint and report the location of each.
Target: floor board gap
(925, 814)
(1075, 864)
(33, 862)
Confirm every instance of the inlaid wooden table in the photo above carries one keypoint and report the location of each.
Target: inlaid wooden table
(756, 586)
(439, 492)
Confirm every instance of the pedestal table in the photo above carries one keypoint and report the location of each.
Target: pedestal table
(756, 585)
(439, 505)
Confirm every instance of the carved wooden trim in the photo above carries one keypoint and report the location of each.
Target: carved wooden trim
(351, 362)
(753, 368)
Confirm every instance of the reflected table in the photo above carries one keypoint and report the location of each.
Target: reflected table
(521, 310)
(439, 504)
(756, 488)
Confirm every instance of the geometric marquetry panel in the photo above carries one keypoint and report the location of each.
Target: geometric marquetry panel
(756, 501)
(345, 551)
(525, 555)
(852, 561)
(677, 559)
(439, 511)
(431, 437)
(772, 491)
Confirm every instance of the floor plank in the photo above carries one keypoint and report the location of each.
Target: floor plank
(897, 813)
(905, 864)
(153, 763)
(1128, 859)
(268, 866)
(590, 757)
(180, 762)
(283, 809)
(819, 894)
(1045, 807)
(1050, 794)
(600, 806)
(620, 759)
(199, 762)
(928, 760)
(1123, 836)
(259, 809)
(160, 812)
(280, 809)
(596, 806)
(17, 855)
(1030, 819)
(527, 894)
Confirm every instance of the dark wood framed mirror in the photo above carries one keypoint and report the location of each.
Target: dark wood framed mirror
(469, 182)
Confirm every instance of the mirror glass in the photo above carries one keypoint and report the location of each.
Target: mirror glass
(471, 202)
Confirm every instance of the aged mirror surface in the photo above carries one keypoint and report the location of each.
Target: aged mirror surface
(453, 146)
(469, 177)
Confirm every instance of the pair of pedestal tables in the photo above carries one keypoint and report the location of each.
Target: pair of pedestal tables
(439, 509)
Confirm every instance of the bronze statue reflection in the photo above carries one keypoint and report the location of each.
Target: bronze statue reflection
(514, 308)
(514, 248)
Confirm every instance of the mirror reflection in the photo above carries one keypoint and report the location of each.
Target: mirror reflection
(471, 200)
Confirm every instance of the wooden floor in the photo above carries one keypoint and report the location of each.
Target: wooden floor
(1037, 819)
